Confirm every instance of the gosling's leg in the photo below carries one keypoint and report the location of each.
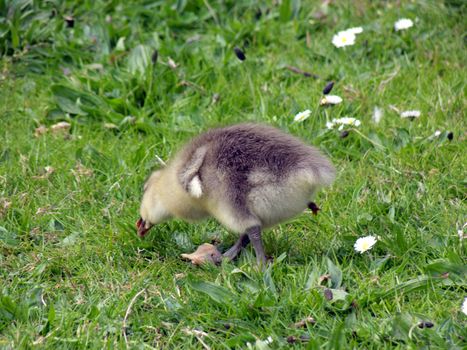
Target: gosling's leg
(254, 234)
(241, 243)
(314, 208)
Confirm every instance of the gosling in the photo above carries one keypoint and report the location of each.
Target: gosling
(247, 176)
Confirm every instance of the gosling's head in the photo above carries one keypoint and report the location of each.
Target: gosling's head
(152, 208)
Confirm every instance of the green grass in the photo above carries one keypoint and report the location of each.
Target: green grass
(74, 274)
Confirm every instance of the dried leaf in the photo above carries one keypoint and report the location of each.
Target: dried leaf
(41, 130)
(80, 170)
(45, 210)
(304, 322)
(179, 276)
(48, 170)
(195, 332)
(323, 278)
(319, 15)
(61, 127)
(205, 253)
(4, 206)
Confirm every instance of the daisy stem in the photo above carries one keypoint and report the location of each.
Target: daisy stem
(368, 139)
(326, 114)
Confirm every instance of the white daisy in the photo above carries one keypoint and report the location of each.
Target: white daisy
(342, 122)
(330, 100)
(410, 114)
(377, 115)
(460, 233)
(402, 24)
(302, 116)
(343, 38)
(349, 121)
(464, 306)
(364, 243)
(355, 30)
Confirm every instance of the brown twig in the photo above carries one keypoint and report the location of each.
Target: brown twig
(302, 72)
(127, 313)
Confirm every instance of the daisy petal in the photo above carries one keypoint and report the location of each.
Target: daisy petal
(364, 243)
(343, 38)
(302, 116)
(402, 24)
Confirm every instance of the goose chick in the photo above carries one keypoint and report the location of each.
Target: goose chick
(247, 176)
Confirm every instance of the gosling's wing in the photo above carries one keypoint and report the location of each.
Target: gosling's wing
(188, 175)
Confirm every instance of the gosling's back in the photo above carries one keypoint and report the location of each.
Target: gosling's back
(252, 172)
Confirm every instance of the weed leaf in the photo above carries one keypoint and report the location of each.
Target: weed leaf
(335, 272)
(217, 293)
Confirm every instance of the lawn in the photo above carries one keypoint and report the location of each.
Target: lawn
(135, 79)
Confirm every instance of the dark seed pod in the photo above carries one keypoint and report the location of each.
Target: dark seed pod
(328, 294)
(258, 14)
(240, 54)
(291, 339)
(314, 207)
(344, 134)
(450, 135)
(425, 324)
(327, 89)
(70, 21)
(154, 56)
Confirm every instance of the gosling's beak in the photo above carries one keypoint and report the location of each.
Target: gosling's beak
(143, 227)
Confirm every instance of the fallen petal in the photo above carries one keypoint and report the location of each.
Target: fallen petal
(171, 63)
